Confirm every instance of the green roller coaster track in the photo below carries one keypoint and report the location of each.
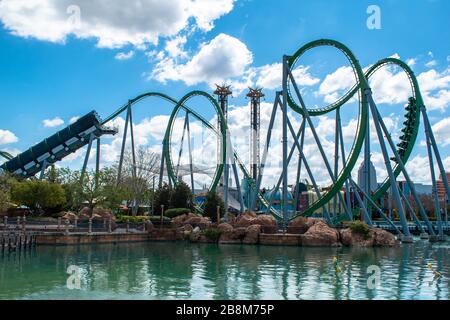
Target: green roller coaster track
(361, 86)
(405, 147)
(411, 127)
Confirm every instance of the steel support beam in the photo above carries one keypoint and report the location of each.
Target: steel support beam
(395, 191)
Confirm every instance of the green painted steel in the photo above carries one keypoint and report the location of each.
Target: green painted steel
(360, 87)
(413, 128)
(166, 144)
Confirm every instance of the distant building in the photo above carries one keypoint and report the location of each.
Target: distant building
(362, 177)
(423, 188)
(441, 188)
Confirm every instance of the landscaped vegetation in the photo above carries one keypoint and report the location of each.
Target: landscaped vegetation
(133, 198)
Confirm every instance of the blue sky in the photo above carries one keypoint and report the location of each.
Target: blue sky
(50, 70)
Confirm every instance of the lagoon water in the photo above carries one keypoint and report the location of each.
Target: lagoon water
(205, 271)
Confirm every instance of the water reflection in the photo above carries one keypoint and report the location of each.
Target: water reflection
(185, 271)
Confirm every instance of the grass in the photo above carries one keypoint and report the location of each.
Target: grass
(212, 234)
(358, 227)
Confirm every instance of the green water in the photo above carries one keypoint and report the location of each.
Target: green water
(191, 271)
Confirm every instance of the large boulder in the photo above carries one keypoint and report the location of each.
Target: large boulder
(234, 236)
(84, 213)
(202, 222)
(103, 213)
(250, 218)
(266, 220)
(382, 238)
(244, 220)
(69, 216)
(225, 227)
(350, 238)
(97, 213)
(252, 234)
(301, 224)
(321, 235)
(181, 219)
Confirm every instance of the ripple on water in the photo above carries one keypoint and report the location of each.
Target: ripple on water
(187, 271)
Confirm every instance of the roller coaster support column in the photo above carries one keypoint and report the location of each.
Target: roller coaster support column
(284, 141)
(124, 140)
(374, 205)
(406, 175)
(363, 206)
(299, 165)
(367, 186)
(406, 234)
(191, 165)
(437, 209)
(238, 185)
(134, 169)
(336, 157)
(413, 214)
(302, 156)
(161, 167)
(431, 142)
(97, 163)
(44, 166)
(180, 152)
(315, 135)
(347, 187)
(86, 158)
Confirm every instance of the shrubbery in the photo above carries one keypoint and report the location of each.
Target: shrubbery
(210, 210)
(181, 196)
(38, 195)
(212, 234)
(359, 227)
(140, 219)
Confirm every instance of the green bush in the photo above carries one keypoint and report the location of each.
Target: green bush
(140, 219)
(212, 234)
(212, 202)
(358, 227)
(162, 197)
(132, 219)
(172, 213)
(38, 195)
(181, 196)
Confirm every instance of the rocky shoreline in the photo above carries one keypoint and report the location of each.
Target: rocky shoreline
(249, 227)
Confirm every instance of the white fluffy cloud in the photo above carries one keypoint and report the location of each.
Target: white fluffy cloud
(51, 123)
(270, 76)
(7, 137)
(124, 55)
(222, 58)
(175, 47)
(113, 23)
(391, 86)
(336, 83)
(441, 131)
(435, 88)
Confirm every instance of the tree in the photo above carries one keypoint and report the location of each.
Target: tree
(212, 201)
(38, 195)
(99, 189)
(5, 191)
(136, 179)
(181, 196)
(162, 197)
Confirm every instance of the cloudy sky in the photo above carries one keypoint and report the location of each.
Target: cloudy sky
(60, 59)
